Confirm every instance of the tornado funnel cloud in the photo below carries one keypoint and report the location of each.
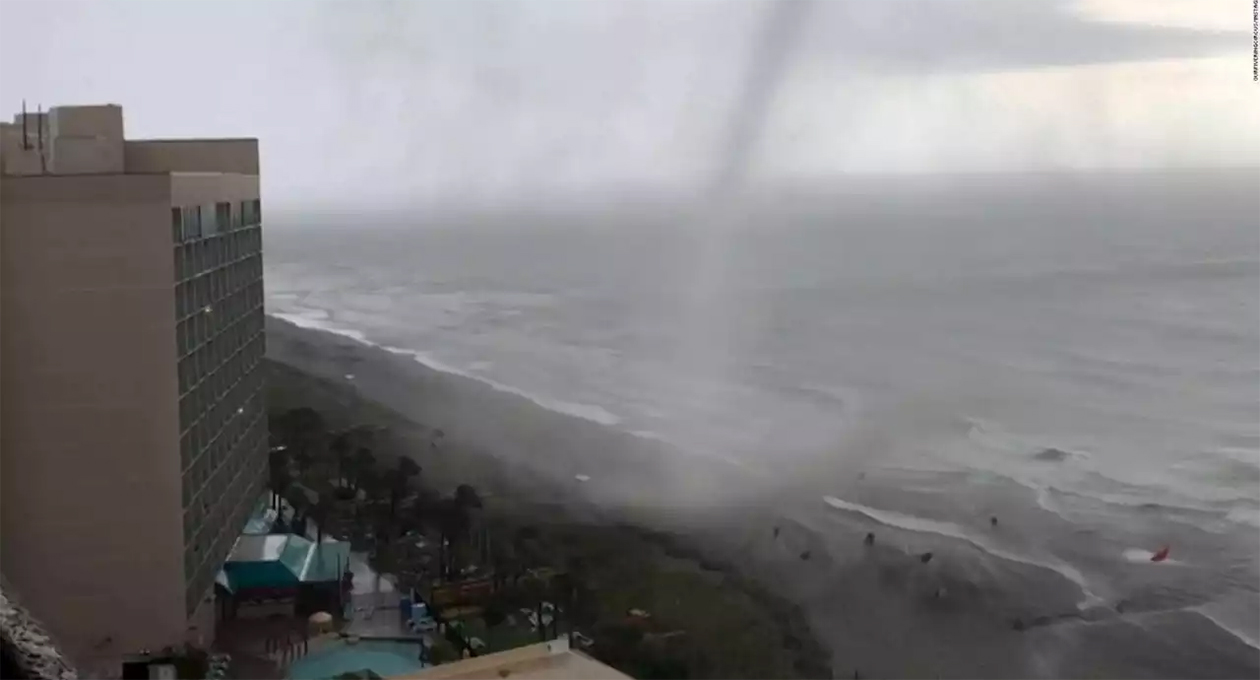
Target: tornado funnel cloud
(707, 303)
(762, 80)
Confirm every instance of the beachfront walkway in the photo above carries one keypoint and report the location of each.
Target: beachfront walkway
(373, 602)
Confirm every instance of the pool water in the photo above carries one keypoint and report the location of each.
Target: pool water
(383, 657)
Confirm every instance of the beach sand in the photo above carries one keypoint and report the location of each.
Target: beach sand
(878, 611)
(748, 629)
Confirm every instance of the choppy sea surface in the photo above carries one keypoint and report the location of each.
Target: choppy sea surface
(1079, 357)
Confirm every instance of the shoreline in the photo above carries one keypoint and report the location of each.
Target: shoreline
(621, 545)
(875, 611)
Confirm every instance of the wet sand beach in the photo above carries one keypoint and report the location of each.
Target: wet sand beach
(977, 608)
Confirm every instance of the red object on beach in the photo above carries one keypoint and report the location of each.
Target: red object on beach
(1160, 555)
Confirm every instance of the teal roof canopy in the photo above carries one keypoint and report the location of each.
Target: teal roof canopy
(282, 561)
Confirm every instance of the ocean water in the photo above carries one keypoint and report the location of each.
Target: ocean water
(1079, 356)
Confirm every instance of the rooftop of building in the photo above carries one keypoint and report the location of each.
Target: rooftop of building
(553, 660)
(90, 140)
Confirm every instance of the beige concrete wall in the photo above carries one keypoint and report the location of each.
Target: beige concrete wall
(85, 140)
(85, 156)
(192, 155)
(189, 189)
(92, 120)
(552, 660)
(89, 456)
(16, 158)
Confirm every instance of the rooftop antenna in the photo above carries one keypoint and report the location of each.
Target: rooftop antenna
(39, 131)
(26, 145)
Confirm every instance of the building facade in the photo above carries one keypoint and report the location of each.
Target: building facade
(132, 426)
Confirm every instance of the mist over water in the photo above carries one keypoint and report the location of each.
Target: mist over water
(1077, 354)
(1150, 326)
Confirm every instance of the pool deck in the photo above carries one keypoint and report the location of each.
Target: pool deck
(331, 655)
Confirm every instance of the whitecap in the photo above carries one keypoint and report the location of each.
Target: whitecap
(317, 319)
(951, 530)
(1234, 615)
(1244, 514)
(590, 412)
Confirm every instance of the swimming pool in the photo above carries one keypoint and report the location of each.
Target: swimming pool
(383, 657)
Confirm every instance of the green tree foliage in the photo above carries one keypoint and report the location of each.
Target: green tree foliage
(301, 429)
(494, 613)
(466, 496)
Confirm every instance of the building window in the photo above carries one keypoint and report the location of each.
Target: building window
(191, 222)
(251, 212)
(177, 225)
(223, 216)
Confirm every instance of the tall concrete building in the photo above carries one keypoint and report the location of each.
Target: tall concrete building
(132, 427)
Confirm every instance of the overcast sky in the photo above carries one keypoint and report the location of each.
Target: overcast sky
(362, 101)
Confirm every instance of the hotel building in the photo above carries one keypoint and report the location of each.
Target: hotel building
(133, 435)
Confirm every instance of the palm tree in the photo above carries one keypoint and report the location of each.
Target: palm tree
(397, 490)
(340, 447)
(301, 506)
(441, 512)
(304, 460)
(365, 511)
(453, 529)
(580, 605)
(563, 585)
(279, 478)
(501, 567)
(483, 540)
(466, 504)
(418, 513)
(364, 461)
(319, 513)
(407, 469)
(385, 559)
(525, 544)
(302, 428)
